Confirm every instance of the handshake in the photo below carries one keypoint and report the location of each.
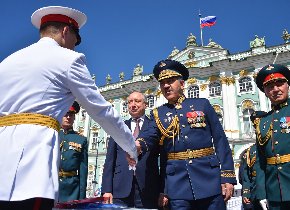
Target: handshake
(131, 160)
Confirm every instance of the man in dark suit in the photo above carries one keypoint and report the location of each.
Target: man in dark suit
(199, 170)
(139, 189)
(73, 169)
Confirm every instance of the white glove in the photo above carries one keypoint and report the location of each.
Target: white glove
(264, 204)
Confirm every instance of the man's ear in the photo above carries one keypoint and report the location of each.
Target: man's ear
(65, 30)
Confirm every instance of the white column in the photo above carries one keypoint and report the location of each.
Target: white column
(226, 119)
(232, 107)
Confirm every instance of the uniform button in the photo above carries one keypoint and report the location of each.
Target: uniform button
(275, 131)
(64, 150)
(183, 126)
(181, 115)
(275, 120)
(60, 180)
(185, 137)
(277, 111)
(280, 168)
(276, 142)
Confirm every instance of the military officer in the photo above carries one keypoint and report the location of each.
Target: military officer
(73, 169)
(249, 189)
(272, 131)
(196, 148)
(39, 84)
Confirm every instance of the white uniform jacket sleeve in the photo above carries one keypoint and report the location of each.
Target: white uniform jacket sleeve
(88, 95)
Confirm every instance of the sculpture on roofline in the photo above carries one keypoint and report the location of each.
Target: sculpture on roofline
(138, 70)
(121, 76)
(257, 42)
(213, 44)
(191, 40)
(174, 52)
(286, 36)
(108, 79)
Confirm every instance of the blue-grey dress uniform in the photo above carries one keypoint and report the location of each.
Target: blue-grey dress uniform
(73, 166)
(249, 188)
(273, 148)
(199, 158)
(121, 182)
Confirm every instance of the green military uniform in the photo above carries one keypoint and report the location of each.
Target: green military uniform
(73, 166)
(249, 178)
(273, 144)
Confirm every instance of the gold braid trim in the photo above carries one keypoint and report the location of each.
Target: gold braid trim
(261, 140)
(250, 162)
(228, 173)
(171, 131)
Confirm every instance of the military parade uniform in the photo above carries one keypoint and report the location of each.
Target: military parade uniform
(198, 153)
(195, 152)
(73, 169)
(273, 148)
(34, 96)
(249, 189)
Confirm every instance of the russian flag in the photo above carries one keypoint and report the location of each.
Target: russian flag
(207, 21)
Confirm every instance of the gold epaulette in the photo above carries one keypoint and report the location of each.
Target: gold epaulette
(262, 140)
(171, 131)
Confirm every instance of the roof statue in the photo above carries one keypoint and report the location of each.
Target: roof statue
(108, 79)
(213, 44)
(138, 70)
(121, 76)
(191, 40)
(174, 52)
(257, 42)
(286, 36)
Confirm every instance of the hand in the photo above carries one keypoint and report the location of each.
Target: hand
(138, 145)
(246, 200)
(264, 204)
(227, 191)
(108, 198)
(131, 161)
(162, 200)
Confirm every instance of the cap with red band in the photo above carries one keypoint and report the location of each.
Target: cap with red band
(59, 18)
(58, 14)
(272, 73)
(274, 76)
(75, 108)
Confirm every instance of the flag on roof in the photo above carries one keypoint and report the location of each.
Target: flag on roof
(207, 21)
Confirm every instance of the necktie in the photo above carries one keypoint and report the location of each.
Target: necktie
(137, 128)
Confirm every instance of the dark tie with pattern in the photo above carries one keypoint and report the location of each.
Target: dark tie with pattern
(137, 128)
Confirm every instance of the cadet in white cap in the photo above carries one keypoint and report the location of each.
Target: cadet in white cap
(38, 85)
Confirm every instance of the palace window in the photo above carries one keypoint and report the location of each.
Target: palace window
(248, 129)
(150, 101)
(245, 84)
(193, 92)
(125, 107)
(94, 142)
(214, 89)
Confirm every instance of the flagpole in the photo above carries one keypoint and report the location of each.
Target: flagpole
(200, 28)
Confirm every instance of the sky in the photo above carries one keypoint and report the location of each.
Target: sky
(120, 34)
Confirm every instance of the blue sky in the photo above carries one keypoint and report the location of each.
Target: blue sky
(120, 34)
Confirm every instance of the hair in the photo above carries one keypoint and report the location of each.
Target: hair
(144, 97)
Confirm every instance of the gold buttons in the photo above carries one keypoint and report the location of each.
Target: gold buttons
(276, 142)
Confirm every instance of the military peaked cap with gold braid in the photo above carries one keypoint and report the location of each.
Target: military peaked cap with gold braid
(170, 68)
(272, 73)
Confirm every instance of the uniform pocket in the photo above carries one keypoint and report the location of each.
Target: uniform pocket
(170, 170)
(213, 161)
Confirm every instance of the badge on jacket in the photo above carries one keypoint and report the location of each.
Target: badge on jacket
(196, 119)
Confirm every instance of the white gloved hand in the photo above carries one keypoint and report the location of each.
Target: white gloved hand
(264, 204)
